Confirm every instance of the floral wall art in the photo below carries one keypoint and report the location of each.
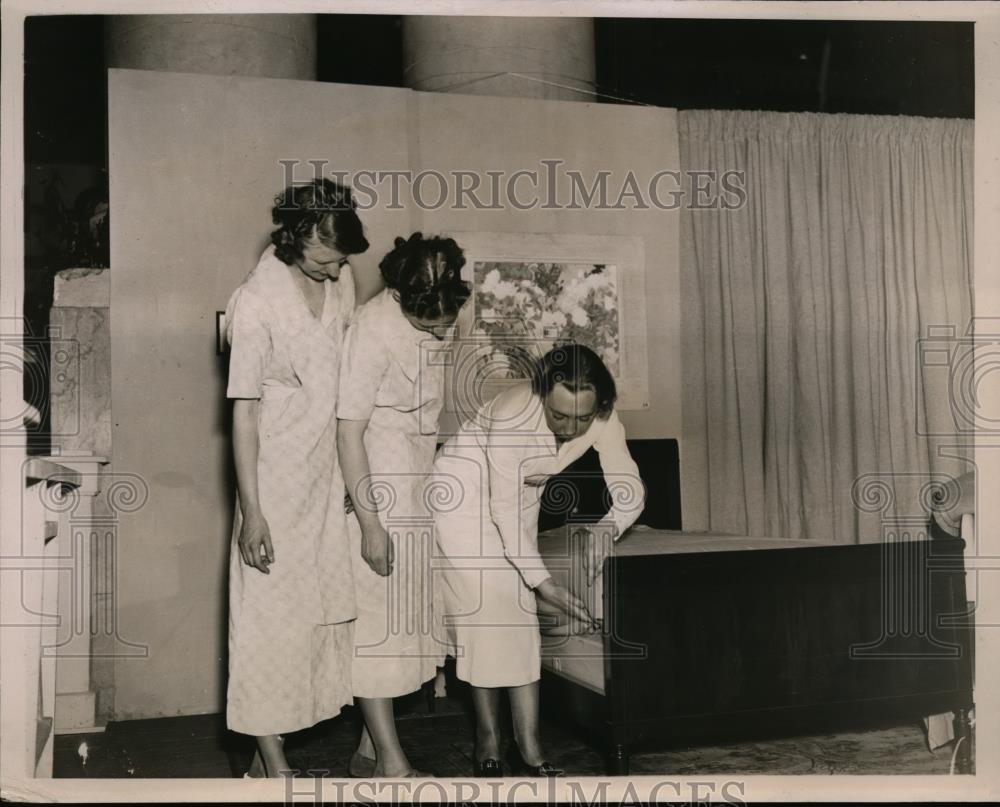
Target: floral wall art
(534, 291)
(548, 302)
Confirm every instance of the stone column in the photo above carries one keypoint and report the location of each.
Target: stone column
(267, 45)
(80, 418)
(478, 55)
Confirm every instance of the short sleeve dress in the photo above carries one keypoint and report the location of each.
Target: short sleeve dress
(393, 377)
(291, 631)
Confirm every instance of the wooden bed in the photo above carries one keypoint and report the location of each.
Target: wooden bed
(709, 637)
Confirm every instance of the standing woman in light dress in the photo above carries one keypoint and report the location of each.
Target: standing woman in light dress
(391, 394)
(291, 592)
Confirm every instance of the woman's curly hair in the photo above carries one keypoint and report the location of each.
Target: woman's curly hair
(425, 275)
(323, 207)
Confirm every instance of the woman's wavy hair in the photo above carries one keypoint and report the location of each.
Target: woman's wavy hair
(577, 367)
(425, 275)
(323, 207)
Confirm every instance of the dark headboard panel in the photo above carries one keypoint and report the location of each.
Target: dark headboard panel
(659, 468)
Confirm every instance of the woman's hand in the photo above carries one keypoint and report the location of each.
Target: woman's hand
(554, 622)
(560, 597)
(255, 542)
(377, 550)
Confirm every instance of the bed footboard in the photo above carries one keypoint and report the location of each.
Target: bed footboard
(716, 645)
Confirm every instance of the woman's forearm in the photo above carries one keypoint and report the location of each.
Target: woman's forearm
(245, 448)
(356, 471)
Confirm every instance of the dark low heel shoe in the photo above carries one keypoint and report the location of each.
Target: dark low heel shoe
(489, 768)
(544, 769)
(541, 769)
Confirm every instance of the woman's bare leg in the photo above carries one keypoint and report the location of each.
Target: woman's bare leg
(269, 759)
(381, 723)
(366, 747)
(524, 714)
(487, 703)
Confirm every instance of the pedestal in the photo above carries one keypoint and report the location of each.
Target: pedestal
(75, 699)
(80, 407)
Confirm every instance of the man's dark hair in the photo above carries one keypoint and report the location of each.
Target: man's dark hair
(578, 368)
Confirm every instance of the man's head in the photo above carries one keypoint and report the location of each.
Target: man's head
(575, 387)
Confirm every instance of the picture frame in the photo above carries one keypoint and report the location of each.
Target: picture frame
(589, 289)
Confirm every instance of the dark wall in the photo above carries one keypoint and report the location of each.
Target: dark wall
(886, 68)
(879, 68)
(360, 49)
(65, 92)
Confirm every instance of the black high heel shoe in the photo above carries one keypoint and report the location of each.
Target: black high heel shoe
(541, 769)
(489, 768)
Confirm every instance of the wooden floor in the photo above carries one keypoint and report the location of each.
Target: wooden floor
(440, 742)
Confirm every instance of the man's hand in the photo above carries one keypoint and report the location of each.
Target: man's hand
(551, 593)
(377, 550)
(598, 539)
(255, 542)
(348, 504)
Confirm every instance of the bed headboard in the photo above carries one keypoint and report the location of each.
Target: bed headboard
(659, 468)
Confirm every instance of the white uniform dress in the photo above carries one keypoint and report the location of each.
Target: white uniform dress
(291, 631)
(385, 381)
(496, 468)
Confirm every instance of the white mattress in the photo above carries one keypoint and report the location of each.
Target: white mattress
(578, 658)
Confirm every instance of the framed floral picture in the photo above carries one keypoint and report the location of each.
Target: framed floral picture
(534, 291)
(551, 302)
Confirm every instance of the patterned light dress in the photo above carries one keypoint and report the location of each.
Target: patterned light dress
(291, 631)
(385, 380)
(487, 527)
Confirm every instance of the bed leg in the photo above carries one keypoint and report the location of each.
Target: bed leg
(963, 737)
(619, 760)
